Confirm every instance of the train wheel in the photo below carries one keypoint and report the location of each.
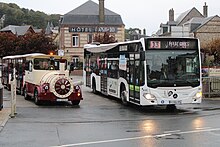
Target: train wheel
(26, 96)
(74, 103)
(36, 100)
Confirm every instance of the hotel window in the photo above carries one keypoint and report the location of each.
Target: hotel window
(89, 38)
(75, 40)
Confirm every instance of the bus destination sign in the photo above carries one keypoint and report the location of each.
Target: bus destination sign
(172, 44)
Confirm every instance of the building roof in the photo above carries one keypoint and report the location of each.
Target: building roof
(195, 20)
(88, 13)
(182, 16)
(18, 30)
(205, 21)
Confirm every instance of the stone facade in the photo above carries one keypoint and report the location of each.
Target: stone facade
(66, 40)
(209, 31)
(79, 26)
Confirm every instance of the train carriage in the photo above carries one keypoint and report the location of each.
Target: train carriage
(42, 77)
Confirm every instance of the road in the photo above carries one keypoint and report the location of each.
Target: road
(101, 121)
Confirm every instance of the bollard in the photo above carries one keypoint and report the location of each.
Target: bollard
(1, 95)
(13, 95)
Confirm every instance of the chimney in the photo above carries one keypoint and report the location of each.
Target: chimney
(144, 32)
(205, 10)
(171, 15)
(139, 31)
(101, 12)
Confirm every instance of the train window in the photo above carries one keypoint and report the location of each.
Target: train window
(46, 64)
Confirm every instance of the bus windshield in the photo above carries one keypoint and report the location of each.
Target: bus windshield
(172, 68)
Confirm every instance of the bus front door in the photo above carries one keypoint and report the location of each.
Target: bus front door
(134, 78)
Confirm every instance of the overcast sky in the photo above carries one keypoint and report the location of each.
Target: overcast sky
(148, 14)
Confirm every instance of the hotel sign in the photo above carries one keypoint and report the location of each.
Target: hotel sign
(93, 29)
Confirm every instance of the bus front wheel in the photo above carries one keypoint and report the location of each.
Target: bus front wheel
(124, 97)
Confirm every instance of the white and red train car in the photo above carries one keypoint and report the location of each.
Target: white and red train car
(41, 77)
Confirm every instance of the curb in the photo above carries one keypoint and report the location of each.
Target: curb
(6, 116)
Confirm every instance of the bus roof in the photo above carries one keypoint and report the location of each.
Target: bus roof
(48, 56)
(105, 47)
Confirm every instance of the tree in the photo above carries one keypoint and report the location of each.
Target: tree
(213, 49)
(14, 15)
(7, 43)
(10, 44)
(106, 38)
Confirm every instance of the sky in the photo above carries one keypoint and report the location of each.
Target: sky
(143, 14)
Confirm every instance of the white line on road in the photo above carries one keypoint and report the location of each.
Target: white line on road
(141, 137)
(174, 131)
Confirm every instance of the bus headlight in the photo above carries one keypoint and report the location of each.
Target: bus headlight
(149, 96)
(198, 95)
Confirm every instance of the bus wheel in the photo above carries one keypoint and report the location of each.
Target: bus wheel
(26, 96)
(171, 108)
(124, 97)
(36, 100)
(74, 103)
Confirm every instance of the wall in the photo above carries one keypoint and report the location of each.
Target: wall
(209, 31)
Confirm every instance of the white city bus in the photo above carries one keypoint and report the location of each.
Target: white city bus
(145, 72)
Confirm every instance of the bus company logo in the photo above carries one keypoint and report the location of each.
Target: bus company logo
(175, 96)
(170, 93)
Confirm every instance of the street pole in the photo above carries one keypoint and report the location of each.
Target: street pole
(13, 94)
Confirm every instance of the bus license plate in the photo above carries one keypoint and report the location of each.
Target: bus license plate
(175, 102)
(62, 100)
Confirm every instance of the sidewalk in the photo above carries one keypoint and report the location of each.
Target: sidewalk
(4, 113)
(4, 116)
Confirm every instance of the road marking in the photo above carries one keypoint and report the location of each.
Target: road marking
(203, 128)
(174, 131)
(104, 141)
(140, 137)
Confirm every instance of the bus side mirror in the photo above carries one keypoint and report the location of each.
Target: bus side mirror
(142, 56)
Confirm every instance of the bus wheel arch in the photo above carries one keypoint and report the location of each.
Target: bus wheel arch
(123, 94)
